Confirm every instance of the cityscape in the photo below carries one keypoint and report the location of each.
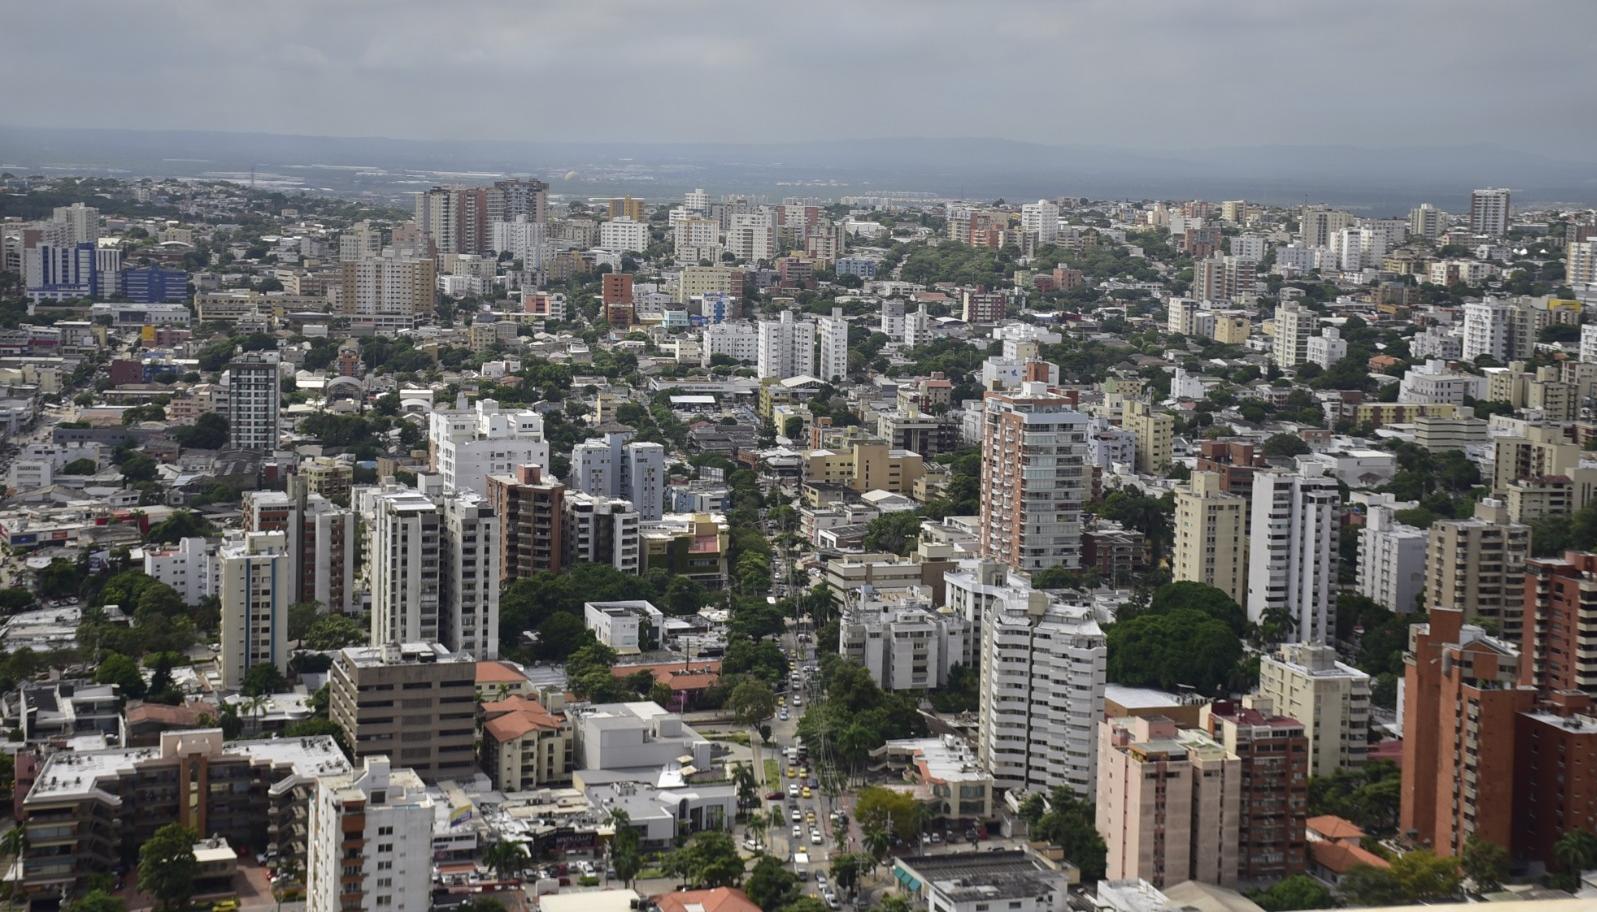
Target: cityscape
(602, 510)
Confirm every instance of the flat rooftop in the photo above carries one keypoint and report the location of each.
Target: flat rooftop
(78, 774)
(403, 653)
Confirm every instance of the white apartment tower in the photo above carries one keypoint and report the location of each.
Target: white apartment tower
(1043, 669)
(833, 364)
(612, 466)
(253, 397)
(470, 621)
(370, 842)
(1293, 325)
(1292, 551)
(404, 564)
(1391, 561)
(257, 586)
(1033, 478)
(1488, 211)
(467, 445)
(1581, 264)
(1042, 218)
(786, 348)
(1494, 328)
(1426, 221)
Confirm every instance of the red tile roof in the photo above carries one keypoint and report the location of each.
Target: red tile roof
(720, 899)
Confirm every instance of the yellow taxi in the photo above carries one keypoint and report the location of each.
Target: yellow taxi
(805, 791)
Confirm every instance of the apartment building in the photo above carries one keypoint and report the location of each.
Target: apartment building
(404, 563)
(615, 466)
(472, 532)
(1155, 433)
(255, 592)
(1477, 566)
(598, 529)
(531, 512)
(1560, 623)
(319, 538)
(1043, 671)
(390, 291)
(253, 398)
(1304, 681)
(1034, 479)
(413, 701)
(466, 445)
(903, 642)
(1211, 536)
(1292, 551)
(1391, 567)
(371, 842)
(865, 466)
(785, 348)
(527, 743)
(1294, 324)
(1169, 803)
(1274, 754)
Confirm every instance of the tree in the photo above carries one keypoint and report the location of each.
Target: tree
(97, 900)
(301, 616)
(1425, 877)
(1211, 601)
(138, 467)
(558, 636)
(334, 631)
(893, 812)
(1576, 852)
(122, 671)
(208, 432)
(751, 701)
(167, 867)
(1368, 885)
(1485, 863)
(771, 885)
(505, 858)
(1283, 446)
(263, 679)
(80, 467)
(1300, 891)
(1068, 822)
(894, 533)
(1181, 647)
(180, 525)
(625, 856)
(709, 860)
(846, 870)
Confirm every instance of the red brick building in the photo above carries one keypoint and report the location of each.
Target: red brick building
(1560, 614)
(1234, 461)
(1274, 750)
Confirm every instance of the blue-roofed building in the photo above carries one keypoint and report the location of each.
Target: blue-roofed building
(154, 285)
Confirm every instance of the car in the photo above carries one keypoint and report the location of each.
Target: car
(774, 796)
(752, 844)
(798, 832)
(797, 816)
(820, 879)
(792, 790)
(815, 837)
(804, 772)
(792, 772)
(935, 839)
(798, 700)
(806, 792)
(782, 715)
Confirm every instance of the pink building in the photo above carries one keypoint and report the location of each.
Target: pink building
(1169, 802)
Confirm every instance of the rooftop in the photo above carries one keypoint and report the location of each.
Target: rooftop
(402, 653)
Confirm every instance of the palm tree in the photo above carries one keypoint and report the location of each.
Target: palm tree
(14, 844)
(1576, 852)
(505, 858)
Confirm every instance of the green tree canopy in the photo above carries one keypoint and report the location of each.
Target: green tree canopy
(167, 867)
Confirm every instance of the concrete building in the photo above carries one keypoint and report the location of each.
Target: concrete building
(978, 881)
(786, 348)
(1041, 218)
(614, 466)
(1440, 434)
(320, 540)
(865, 466)
(739, 341)
(413, 701)
(1477, 566)
(370, 842)
(1294, 324)
(531, 512)
(636, 736)
(1306, 682)
(904, 643)
(833, 363)
(466, 445)
(191, 567)
(1538, 453)
(1034, 478)
(1169, 803)
(404, 563)
(1211, 536)
(624, 235)
(1274, 754)
(1391, 561)
(88, 811)
(598, 529)
(1317, 225)
(626, 627)
(1496, 328)
(1043, 668)
(472, 533)
(1426, 221)
(1460, 701)
(253, 398)
(1155, 432)
(527, 744)
(257, 586)
(1489, 211)
(1292, 550)
(388, 292)
(1327, 348)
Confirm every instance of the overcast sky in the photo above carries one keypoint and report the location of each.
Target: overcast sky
(1139, 73)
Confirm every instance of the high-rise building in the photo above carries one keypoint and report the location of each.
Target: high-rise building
(518, 198)
(403, 563)
(833, 364)
(1155, 436)
(1294, 323)
(525, 240)
(82, 222)
(786, 348)
(455, 219)
(531, 511)
(472, 536)
(415, 702)
(1477, 566)
(1169, 803)
(1498, 329)
(390, 291)
(1317, 225)
(1489, 211)
(1560, 623)
(1211, 536)
(602, 530)
(60, 272)
(1304, 681)
(1391, 561)
(627, 207)
(1292, 548)
(1043, 670)
(624, 235)
(1460, 703)
(1274, 754)
(370, 842)
(1041, 218)
(257, 588)
(466, 445)
(1580, 265)
(361, 240)
(615, 290)
(1426, 221)
(614, 466)
(320, 539)
(1033, 478)
(253, 397)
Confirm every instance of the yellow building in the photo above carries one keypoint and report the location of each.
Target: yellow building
(865, 466)
(1380, 414)
(1542, 451)
(526, 745)
(1232, 328)
(703, 280)
(1211, 531)
(627, 207)
(1155, 436)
